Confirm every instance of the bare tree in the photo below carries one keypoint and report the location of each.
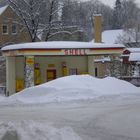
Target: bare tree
(41, 17)
(29, 13)
(81, 14)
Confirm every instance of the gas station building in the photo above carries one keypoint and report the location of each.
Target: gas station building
(35, 63)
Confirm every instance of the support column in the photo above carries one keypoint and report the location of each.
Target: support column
(29, 71)
(91, 69)
(10, 76)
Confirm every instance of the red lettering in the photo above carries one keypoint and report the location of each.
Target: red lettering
(80, 52)
(71, 51)
(66, 52)
(75, 52)
(83, 52)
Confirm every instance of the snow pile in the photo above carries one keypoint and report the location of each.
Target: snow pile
(35, 131)
(76, 87)
(2, 97)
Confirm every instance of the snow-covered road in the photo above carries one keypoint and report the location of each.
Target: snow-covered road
(73, 108)
(104, 119)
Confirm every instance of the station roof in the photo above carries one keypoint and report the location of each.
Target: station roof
(60, 45)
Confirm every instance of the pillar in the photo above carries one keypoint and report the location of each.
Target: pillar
(29, 71)
(10, 76)
(91, 69)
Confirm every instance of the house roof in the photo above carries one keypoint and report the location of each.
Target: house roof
(134, 56)
(61, 45)
(119, 35)
(110, 36)
(2, 9)
(133, 50)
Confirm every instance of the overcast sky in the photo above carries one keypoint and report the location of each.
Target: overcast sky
(109, 2)
(112, 2)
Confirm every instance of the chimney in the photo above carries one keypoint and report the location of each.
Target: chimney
(97, 20)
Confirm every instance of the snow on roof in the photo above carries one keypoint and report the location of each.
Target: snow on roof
(110, 36)
(119, 35)
(60, 45)
(2, 9)
(134, 57)
(133, 49)
(105, 59)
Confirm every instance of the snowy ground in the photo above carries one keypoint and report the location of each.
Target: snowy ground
(73, 108)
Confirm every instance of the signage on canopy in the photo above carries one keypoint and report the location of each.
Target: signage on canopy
(75, 51)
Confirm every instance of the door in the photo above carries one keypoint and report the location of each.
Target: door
(51, 74)
(96, 72)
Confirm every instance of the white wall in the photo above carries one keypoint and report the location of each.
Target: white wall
(10, 75)
(19, 67)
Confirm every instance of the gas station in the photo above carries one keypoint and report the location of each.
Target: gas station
(30, 64)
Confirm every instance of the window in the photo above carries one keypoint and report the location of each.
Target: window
(14, 29)
(5, 29)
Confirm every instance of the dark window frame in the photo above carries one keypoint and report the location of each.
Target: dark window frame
(14, 29)
(5, 29)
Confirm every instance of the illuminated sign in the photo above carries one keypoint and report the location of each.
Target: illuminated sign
(75, 52)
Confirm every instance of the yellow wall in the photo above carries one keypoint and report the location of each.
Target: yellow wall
(84, 65)
(79, 62)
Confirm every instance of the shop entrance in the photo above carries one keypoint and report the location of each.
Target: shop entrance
(51, 74)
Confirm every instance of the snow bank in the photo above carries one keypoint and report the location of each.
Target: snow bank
(76, 87)
(35, 131)
(2, 98)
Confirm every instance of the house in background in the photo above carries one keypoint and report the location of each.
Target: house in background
(106, 65)
(111, 36)
(11, 32)
(128, 65)
(131, 65)
(131, 61)
(130, 37)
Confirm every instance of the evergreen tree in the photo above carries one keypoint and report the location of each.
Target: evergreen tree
(117, 15)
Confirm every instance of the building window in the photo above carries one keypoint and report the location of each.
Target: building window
(14, 29)
(5, 29)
